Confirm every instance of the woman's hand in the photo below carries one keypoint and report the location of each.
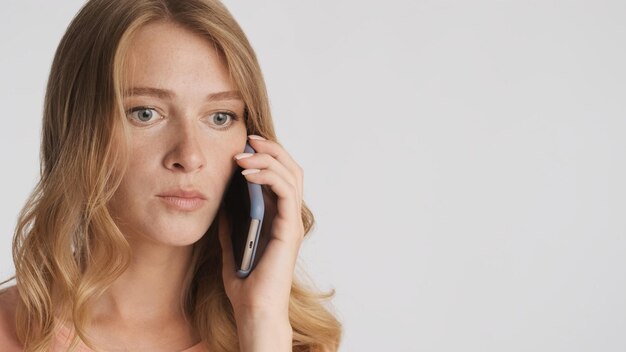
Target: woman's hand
(261, 301)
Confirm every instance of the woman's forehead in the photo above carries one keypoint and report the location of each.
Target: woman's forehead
(176, 61)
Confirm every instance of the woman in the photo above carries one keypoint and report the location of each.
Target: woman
(124, 243)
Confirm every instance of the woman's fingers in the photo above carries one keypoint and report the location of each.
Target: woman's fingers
(287, 207)
(269, 285)
(261, 160)
(283, 176)
(279, 153)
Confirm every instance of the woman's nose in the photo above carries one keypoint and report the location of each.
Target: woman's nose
(186, 152)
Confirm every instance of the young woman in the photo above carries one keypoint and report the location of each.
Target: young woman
(125, 241)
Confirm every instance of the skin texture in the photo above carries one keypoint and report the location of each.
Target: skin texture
(185, 142)
(8, 336)
(182, 141)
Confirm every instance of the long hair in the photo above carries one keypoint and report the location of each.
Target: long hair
(65, 234)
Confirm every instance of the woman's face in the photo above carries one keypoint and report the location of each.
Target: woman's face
(186, 124)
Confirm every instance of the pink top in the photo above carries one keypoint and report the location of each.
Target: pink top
(63, 337)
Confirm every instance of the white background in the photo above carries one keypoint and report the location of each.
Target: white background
(465, 160)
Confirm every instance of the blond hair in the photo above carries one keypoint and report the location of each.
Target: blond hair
(65, 234)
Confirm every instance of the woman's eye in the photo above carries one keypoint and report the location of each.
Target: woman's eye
(143, 113)
(222, 118)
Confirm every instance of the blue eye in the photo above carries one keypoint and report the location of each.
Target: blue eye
(221, 118)
(145, 113)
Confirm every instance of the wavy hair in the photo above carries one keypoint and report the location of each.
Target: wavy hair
(65, 234)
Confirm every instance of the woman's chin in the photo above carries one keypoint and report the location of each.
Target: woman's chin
(174, 236)
(180, 240)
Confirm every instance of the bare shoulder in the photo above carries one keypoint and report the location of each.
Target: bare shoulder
(8, 337)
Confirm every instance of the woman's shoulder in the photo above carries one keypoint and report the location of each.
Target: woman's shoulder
(8, 336)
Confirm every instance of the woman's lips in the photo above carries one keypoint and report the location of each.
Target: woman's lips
(184, 204)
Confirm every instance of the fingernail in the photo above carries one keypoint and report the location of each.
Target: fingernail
(250, 171)
(254, 136)
(243, 155)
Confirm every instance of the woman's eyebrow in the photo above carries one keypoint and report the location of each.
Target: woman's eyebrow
(168, 94)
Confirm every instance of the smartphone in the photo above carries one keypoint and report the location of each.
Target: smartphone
(244, 202)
